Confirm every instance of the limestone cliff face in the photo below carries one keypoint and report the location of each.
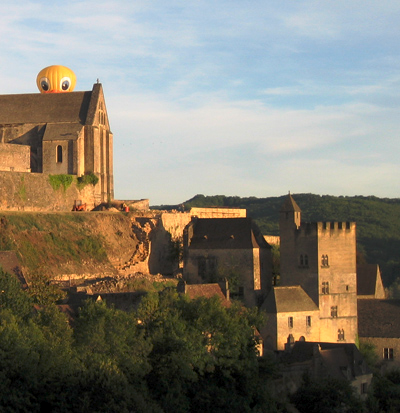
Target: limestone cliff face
(79, 246)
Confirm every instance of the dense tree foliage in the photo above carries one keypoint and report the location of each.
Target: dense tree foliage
(385, 395)
(172, 354)
(327, 396)
(378, 221)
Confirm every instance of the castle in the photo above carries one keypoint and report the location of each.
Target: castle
(57, 133)
(317, 296)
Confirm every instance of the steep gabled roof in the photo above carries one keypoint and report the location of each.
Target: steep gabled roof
(290, 205)
(369, 280)
(288, 299)
(39, 108)
(379, 318)
(226, 233)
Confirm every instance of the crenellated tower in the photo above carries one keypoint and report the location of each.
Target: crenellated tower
(321, 258)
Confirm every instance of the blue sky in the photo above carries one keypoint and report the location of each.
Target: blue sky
(246, 98)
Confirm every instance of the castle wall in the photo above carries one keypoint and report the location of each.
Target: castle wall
(337, 266)
(299, 258)
(218, 212)
(235, 265)
(299, 329)
(33, 192)
(15, 158)
(166, 240)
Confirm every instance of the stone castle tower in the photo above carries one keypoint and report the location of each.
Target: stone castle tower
(321, 258)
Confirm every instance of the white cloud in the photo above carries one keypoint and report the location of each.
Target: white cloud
(232, 91)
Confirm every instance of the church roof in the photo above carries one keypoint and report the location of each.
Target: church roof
(379, 318)
(288, 299)
(39, 108)
(290, 205)
(226, 233)
(62, 131)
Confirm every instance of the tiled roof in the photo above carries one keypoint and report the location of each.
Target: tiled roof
(288, 299)
(204, 290)
(338, 358)
(9, 262)
(121, 301)
(39, 108)
(226, 233)
(366, 279)
(379, 318)
(290, 205)
(62, 131)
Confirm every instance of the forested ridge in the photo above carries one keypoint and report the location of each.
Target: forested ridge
(378, 220)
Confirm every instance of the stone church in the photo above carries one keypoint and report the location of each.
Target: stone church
(58, 133)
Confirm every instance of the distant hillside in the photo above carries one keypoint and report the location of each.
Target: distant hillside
(378, 220)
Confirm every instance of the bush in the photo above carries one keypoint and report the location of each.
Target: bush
(56, 181)
(87, 179)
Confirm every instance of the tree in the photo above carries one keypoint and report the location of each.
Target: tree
(326, 396)
(12, 296)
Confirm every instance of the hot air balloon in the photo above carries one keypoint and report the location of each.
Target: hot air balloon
(56, 79)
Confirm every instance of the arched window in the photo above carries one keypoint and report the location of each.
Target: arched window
(59, 154)
(325, 261)
(340, 334)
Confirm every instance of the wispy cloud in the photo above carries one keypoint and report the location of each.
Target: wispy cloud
(245, 98)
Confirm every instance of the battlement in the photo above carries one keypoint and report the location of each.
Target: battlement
(314, 228)
(336, 226)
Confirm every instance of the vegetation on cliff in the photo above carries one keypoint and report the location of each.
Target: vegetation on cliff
(57, 244)
(378, 221)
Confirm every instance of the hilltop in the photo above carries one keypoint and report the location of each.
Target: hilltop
(378, 220)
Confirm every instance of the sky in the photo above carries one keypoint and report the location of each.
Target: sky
(237, 98)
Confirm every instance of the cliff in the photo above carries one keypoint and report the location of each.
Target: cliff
(74, 247)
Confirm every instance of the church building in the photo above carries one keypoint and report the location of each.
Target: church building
(58, 133)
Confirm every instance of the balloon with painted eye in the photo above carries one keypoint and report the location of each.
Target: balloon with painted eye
(56, 79)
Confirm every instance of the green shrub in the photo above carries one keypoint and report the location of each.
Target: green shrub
(62, 180)
(88, 179)
(93, 248)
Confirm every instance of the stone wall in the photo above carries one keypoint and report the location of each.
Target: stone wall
(380, 344)
(218, 212)
(15, 157)
(33, 192)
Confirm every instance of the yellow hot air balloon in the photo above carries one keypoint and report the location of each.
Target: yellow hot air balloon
(56, 79)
